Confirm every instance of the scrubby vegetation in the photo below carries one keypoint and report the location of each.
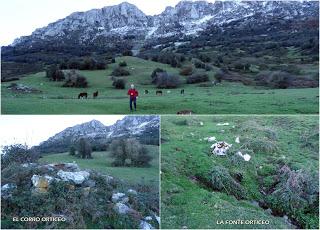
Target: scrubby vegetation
(74, 79)
(231, 96)
(278, 183)
(129, 153)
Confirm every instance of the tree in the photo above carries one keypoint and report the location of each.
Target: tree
(118, 152)
(17, 153)
(85, 149)
(119, 83)
(129, 152)
(155, 73)
(54, 73)
(165, 80)
(72, 151)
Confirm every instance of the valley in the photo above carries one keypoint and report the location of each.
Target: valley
(225, 98)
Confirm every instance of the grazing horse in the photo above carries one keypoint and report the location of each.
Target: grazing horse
(182, 91)
(159, 92)
(146, 91)
(83, 95)
(95, 95)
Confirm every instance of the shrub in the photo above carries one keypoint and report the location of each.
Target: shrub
(155, 73)
(129, 152)
(296, 194)
(186, 71)
(219, 76)
(84, 148)
(72, 151)
(118, 152)
(277, 79)
(122, 64)
(17, 153)
(204, 58)
(88, 64)
(221, 180)
(199, 64)
(261, 145)
(119, 71)
(119, 83)
(74, 64)
(127, 53)
(101, 65)
(197, 78)
(168, 81)
(54, 74)
(73, 79)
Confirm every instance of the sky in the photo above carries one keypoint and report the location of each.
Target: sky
(34, 129)
(22, 17)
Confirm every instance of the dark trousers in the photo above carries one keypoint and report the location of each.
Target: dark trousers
(134, 101)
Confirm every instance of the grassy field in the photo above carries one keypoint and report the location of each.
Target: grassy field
(227, 98)
(188, 200)
(101, 162)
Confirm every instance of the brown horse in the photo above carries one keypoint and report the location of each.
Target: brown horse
(95, 95)
(83, 95)
(159, 92)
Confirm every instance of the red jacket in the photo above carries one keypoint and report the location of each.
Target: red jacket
(133, 93)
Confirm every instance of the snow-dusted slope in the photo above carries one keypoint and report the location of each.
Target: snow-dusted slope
(140, 127)
(187, 18)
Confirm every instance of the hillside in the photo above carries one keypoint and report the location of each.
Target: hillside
(101, 162)
(143, 128)
(278, 183)
(228, 97)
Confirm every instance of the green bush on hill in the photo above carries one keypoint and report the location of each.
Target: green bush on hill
(197, 78)
(129, 152)
(221, 180)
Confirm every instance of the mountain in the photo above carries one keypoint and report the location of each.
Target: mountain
(143, 128)
(100, 27)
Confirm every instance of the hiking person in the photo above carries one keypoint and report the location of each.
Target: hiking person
(133, 93)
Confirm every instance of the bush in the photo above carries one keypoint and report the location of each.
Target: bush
(168, 81)
(129, 152)
(197, 78)
(221, 180)
(101, 65)
(119, 72)
(73, 79)
(127, 53)
(277, 79)
(199, 64)
(219, 76)
(54, 74)
(186, 71)
(155, 73)
(84, 149)
(72, 151)
(122, 64)
(17, 153)
(296, 194)
(119, 83)
(88, 64)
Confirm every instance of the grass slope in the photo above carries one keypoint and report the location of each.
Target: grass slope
(228, 98)
(187, 200)
(101, 162)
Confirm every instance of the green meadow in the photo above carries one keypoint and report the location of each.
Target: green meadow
(226, 98)
(189, 175)
(102, 161)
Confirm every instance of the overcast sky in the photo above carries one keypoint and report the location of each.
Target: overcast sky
(22, 17)
(34, 129)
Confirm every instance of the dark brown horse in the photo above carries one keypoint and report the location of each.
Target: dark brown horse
(83, 95)
(159, 92)
(95, 95)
